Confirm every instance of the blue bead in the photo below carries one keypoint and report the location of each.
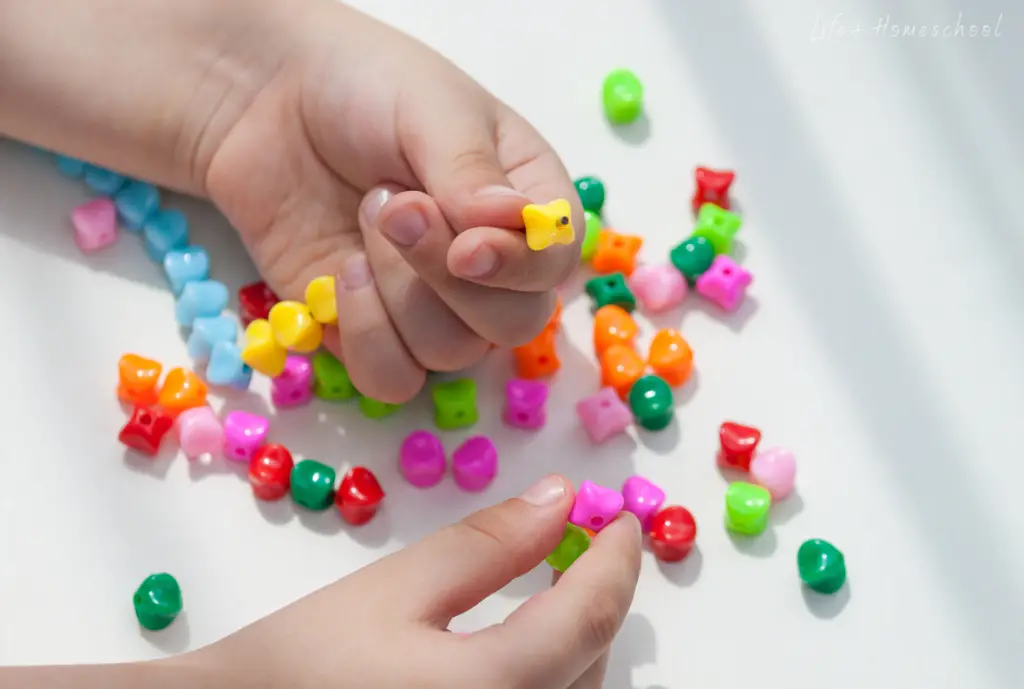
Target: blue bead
(200, 299)
(70, 167)
(136, 203)
(103, 181)
(206, 332)
(163, 232)
(182, 266)
(227, 368)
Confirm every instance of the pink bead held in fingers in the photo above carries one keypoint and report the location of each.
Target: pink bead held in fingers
(595, 506)
(294, 387)
(421, 459)
(475, 463)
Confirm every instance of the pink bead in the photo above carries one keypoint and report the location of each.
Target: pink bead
(595, 506)
(526, 403)
(603, 415)
(642, 498)
(243, 435)
(475, 463)
(421, 459)
(775, 470)
(725, 282)
(95, 224)
(658, 288)
(294, 387)
(200, 433)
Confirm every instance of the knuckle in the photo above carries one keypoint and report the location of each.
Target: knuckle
(600, 623)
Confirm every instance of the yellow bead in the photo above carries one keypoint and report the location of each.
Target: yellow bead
(261, 351)
(320, 299)
(548, 224)
(294, 326)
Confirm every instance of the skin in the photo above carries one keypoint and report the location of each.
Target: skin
(338, 146)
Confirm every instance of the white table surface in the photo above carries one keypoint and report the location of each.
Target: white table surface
(881, 343)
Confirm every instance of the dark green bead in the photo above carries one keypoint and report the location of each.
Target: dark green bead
(157, 601)
(650, 399)
(822, 566)
(611, 289)
(375, 409)
(591, 192)
(330, 378)
(455, 404)
(313, 484)
(693, 257)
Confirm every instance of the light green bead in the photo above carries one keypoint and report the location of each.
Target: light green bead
(589, 245)
(374, 409)
(746, 508)
(623, 96)
(330, 378)
(718, 226)
(574, 543)
(455, 404)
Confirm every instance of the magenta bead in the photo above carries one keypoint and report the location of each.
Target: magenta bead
(642, 498)
(725, 282)
(526, 403)
(775, 470)
(200, 433)
(244, 433)
(475, 463)
(595, 506)
(603, 415)
(421, 459)
(294, 387)
(95, 224)
(657, 288)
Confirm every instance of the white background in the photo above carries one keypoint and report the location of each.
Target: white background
(882, 343)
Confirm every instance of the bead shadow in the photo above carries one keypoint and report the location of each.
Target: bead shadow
(826, 607)
(277, 512)
(173, 639)
(636, 646)
(763, 545)
(635, 133)
(683, 573)
(158, 466)
(784, 511)
(661, 442)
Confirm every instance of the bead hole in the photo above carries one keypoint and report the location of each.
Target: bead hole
(296, 394)
(145, 419)
(543, 360)
(596, 521)
(605, 404)
(239, 452)
(726, 271)
(523, 417)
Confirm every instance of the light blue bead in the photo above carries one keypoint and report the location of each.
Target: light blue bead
(103, 181)
(206, 332)
(70, 167)
(200, 299)
(163, 232)
(136, 203)
(227, 368)
(182, 266)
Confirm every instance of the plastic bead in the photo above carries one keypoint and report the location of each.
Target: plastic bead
(146, 429)
(693, 257)
(200, 433)
(613, 326)
(207, 332)
(330, 378)
(746, 508)
(294, 387)
(102, 181)
(375, 409)
(165, 231)
(226, 367)
(537, 358)
(136, 203)
(822, 566)
(616, 253)
(712, 187)
(593, 233)
(725, 283)
(455, 404)
(157, 601)
(610, 289)
(775, 470)
(72, 168)
(658, 288)
(603, 415)
(95, 224)
(526, 404)
(421, 459)
(182, 389)
(574, 543)
(623, 96)
(642, 498)
(670, 357)
(270, 472)
(591, 193)
(737, 445)
(359, 496)
(182, 266)
(548, 224)
(200, 299)
(312, 485)
(294, 327)
(244, 433)
(651, 400)
(321, 299)
(261, 351)
(672, 531)
(718, 226)
(475, 463)
(255, 301)
(595, 506)
(138, 379)
(621, 368)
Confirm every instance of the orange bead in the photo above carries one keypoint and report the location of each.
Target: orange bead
(671, 357)
(620, 368)
(554, 323)
(616, 253)
(182, 390)
(613, 325)
(138, 379)
(538, 358)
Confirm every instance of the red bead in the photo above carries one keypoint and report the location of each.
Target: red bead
(359, 496)
(712, 187)
(270, 471)
(255, 301)
(146, 429)
(672, 531)
(738, 443)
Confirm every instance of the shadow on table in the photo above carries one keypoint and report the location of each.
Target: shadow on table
(634, 647)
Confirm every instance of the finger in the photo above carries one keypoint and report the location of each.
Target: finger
(499, 258)
(593, 678)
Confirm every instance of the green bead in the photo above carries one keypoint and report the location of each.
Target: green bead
(590, 238)
(746, 508)
(157, 601)
(718, 226)
(455, 404)
(591, 192)
(375, 409)
(623, 96)
(650, 399)
(610, 289)
(574, 543)
(330, 378)
(822, 566)
(693, 257)
(313, 484)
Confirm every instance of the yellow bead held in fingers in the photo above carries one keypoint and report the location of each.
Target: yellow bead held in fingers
(548, 224)
(321, 300)
(294, 327)
(261, 351)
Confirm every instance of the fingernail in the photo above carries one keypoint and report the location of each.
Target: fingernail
(480, 263)
(355, 274)
(545, 492)
(375, 200)
(405, 227)
(497, 190)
